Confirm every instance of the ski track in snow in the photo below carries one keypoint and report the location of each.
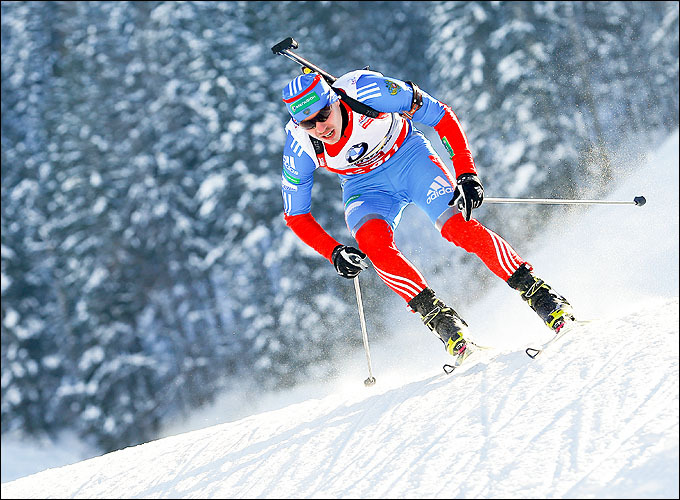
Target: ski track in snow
(596, 415)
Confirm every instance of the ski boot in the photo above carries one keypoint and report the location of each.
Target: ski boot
(550, 306)
(443, 321)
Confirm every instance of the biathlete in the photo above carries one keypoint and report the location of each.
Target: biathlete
(362, 129)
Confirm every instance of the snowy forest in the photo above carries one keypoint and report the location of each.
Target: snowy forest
(146, 265)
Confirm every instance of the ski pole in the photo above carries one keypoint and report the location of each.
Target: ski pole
(284, 48)
(637, 201)
(371, 379)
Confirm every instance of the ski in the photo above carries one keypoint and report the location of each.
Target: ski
(474, 353)
(533, 352)
(471, 354)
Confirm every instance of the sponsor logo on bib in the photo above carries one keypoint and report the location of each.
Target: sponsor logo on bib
(356, 152)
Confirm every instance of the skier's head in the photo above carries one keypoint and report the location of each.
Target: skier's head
(307, 94)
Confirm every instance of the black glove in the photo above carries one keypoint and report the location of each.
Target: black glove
(348, 261)
(468, 194)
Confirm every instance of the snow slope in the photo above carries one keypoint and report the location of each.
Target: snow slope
(587, 420)
(595, 417)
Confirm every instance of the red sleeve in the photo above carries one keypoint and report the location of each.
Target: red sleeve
(455, 142)
(309, 231)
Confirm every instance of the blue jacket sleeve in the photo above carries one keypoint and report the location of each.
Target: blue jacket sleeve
(297, 178)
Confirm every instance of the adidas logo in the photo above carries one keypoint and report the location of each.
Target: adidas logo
(438, 188)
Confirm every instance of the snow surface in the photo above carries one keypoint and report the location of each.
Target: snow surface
(595, 417)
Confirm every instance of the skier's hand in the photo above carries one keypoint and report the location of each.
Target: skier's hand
(348, 261)
(468, 194)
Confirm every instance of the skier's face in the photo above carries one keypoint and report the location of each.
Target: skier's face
(329, 130)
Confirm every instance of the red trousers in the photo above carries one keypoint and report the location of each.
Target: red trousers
(376, 240)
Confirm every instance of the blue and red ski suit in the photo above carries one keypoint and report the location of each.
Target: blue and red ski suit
(384, 164)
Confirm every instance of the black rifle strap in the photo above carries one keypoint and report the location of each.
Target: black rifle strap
(318, 145)
(416, 102)
(357, 106)
(319, 150)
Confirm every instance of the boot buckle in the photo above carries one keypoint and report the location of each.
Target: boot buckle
(429, 317)
(538, 284)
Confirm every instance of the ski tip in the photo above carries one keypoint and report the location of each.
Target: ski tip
(532, 353)
(448, 369)
(639, 200)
